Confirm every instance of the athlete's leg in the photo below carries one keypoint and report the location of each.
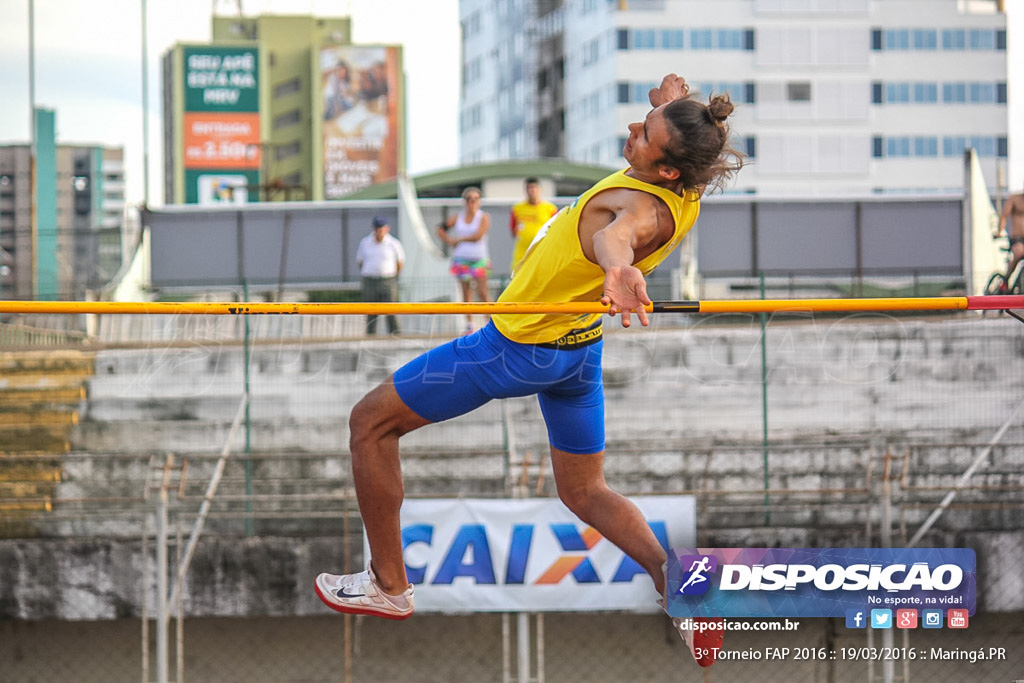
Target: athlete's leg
(467, 295)
(1016, 253)
(483, 293)
(375, 425)
(582, 487)
(438, 385)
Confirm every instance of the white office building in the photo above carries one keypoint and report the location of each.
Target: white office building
(834, 97)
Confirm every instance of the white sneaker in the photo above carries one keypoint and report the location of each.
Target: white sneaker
(361, 594)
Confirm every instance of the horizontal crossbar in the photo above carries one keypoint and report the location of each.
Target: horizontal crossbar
(964, 303)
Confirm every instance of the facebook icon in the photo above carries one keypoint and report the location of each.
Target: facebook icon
(855, 618)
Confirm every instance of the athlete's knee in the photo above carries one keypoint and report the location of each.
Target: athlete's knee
(370, 417)
(582, 499)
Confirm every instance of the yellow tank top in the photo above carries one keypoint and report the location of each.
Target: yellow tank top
(530, 218)
(556, 269)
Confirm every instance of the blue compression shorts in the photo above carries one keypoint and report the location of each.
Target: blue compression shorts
(466, 373)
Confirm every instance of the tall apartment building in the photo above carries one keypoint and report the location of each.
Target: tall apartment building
(76, 246)
(834, 96)
(280, 108)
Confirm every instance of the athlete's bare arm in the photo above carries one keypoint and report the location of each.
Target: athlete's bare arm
(619, 228)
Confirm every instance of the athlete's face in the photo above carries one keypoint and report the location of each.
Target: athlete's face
(645, 147)
(533, 193)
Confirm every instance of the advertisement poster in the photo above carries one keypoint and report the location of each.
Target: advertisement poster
(221, 125)
(487, 555)
(359, 88)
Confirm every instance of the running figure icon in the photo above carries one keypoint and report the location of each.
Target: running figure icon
(697, 570)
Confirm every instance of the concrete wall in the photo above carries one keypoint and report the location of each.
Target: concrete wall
(846, 400)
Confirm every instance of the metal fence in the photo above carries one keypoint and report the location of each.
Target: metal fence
(852, 433)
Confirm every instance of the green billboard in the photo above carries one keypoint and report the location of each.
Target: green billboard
(221, 78)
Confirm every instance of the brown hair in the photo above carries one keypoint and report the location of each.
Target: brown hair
(700, 148)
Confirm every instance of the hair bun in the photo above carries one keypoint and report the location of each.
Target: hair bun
(720, 107)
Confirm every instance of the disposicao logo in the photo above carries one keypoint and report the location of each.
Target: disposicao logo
(785, 582)
(695, 579)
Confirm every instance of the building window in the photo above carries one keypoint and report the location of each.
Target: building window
(1001, 39)
(926, 147)
(750, 147)
(953, 146)
(622, 92)
(750, 93)
(897, 93)
(643, 39)
(877, 147)
(730, 39)
(985, 146)
(289, 118)
(897, 39)
(798, 91)
(289, 87)
(642, 91)
(954, 39)
(876, 39)
(622, 39)
(736, 91)
(876, 93)
(954, 93)
(1001, 92)
(700, 39)
(983, 93)
(672, 39)
(925, 39)
(286, 151)
(926, 93)
(748, 39)
(982, 39)
(1002, 147)
(897, 147)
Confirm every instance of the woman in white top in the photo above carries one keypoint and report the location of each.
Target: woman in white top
(466, 234)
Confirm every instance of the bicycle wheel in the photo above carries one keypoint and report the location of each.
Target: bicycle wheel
(1018, 283)
(996, 284)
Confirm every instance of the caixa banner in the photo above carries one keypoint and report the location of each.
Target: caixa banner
(818, 582)
(474, 555)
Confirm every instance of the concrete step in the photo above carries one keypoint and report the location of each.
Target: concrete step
(9, 416)
(36, 398)
(54, 362)
(43, 438)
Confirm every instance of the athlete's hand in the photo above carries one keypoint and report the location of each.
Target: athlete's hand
(672, 88)
(625, 291)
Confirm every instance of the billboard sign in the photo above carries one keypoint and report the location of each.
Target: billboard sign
(221, 79)
(222, 140)
(466, 555)
(360, 107)
(221, 136)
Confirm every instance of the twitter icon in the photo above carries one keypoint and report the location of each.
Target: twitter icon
(881, 618)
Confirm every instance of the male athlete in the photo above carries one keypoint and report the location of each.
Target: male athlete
(600, 248)
(1013, 212)
(526, 218)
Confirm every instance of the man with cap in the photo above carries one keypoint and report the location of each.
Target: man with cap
(380, 257)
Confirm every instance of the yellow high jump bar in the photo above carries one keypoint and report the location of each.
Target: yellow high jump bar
(940, 303)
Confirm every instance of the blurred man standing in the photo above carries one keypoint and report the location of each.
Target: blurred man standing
(380, 257)
(527, 217)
